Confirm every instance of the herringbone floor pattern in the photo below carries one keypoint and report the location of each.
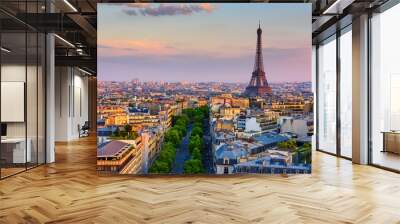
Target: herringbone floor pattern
(70, 191)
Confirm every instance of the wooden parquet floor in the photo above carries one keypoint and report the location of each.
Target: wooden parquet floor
(70, 191)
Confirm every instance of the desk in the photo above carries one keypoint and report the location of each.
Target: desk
(13, 150)
(391, 141)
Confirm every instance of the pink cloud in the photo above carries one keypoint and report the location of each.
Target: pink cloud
(121, 47)
(143, 47)
(207, 7)
(138, 5)
(134, 47)
(147, 9)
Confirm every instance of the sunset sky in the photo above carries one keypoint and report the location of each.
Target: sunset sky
(202, 42)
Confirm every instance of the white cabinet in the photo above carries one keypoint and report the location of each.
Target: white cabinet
(19, 155)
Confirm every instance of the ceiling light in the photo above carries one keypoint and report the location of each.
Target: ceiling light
(79, 51)
(70, 5)
(327, 11)
(64, 40)
(5, 50)
(338, 6)
(84, 71)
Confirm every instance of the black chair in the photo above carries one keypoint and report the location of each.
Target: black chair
(84, 130)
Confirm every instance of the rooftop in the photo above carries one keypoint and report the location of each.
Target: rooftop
(270, 138)
(138, 110)
(235, 149)
(111, 148)
(220, 135)
(106, 131)
(276, 162)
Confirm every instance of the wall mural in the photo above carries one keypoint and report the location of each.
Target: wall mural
(204, 88)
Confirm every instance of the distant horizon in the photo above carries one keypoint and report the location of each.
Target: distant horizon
(203, 42)
(196, 82)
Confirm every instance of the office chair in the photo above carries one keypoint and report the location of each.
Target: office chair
(84, 130)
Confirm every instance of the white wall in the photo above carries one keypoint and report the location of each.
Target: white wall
(299, 127)
(81, 111)
(220, 169)
(33, 126)
(252, 125)
(71, 102)
(12, 73)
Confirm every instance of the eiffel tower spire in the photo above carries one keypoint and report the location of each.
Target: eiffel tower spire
(258, 85)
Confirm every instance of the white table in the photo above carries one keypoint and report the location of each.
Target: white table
(19, 153)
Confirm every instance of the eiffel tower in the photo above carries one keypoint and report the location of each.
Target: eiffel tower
(258, 85)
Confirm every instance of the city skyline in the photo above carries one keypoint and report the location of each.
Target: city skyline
(172, 47)
(195, 82)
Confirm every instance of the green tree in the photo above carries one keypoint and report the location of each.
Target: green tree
(188, 112)
(165, 160)
(159, 167)
(195, 142)
(198, 124)
(167, 155)
(173, 136)
(288, 145)
(198, 116)
(181, 129)
(128, 128)
(304, 153)
(196, 154)
(193, 166)
(197, 131)
(117, 133)
(134, 135)
(182, 120)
